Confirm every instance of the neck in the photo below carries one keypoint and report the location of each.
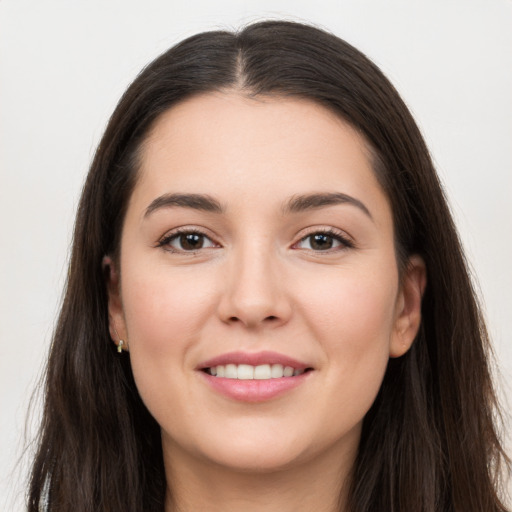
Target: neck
(318, 484)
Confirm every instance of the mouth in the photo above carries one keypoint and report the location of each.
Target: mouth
(254, 377)
(251, 372)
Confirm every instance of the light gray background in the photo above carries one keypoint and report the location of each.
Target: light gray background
(64, 65)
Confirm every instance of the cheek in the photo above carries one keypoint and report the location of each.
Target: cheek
(352, 315)
(160, 299)
(162, 305)
(354, 325)
(165, 310)
(352, 301)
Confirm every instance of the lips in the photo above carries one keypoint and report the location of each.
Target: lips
(254, 377)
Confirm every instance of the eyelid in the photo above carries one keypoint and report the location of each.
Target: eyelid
(172, 234)
(341, 236)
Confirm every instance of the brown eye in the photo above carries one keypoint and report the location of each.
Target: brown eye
(186, 241)
(321, 241)
(191, 241)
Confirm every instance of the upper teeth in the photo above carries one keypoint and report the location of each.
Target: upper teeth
(247, 372)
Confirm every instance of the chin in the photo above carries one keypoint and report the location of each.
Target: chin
(248, 453)
(257, 459)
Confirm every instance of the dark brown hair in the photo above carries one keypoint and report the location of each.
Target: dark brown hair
(429, 442)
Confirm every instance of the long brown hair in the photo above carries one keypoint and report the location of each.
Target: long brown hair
(429, 442)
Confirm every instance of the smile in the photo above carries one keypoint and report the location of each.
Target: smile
(254, 377)
(249, 372)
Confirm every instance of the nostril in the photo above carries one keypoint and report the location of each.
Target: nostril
(253, 321)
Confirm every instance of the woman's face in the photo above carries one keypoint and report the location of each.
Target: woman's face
(257, 238)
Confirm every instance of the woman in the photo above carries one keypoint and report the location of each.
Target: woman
(267, 307)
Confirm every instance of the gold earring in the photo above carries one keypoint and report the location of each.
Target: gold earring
(120, 342)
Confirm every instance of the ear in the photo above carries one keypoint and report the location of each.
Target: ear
(408, 306)
(117, 326)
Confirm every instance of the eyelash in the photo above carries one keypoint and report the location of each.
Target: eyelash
(167, 239)
(345, 242)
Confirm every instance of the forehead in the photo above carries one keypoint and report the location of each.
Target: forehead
(243, 148)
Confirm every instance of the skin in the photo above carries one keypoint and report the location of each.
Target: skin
(258, 284)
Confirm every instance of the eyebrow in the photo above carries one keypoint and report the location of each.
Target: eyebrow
(296, 204)
(202, 202)
(301, 203)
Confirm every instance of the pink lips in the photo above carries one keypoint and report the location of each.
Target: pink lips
(253, 390)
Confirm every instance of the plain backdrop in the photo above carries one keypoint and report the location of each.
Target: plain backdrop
(64, 65)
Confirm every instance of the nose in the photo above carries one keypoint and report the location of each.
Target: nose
(255, 292)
